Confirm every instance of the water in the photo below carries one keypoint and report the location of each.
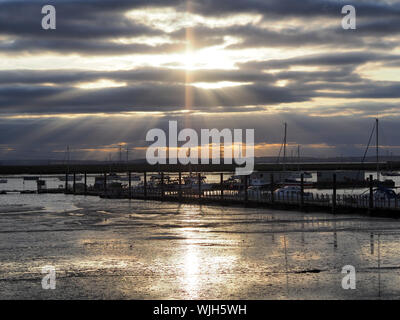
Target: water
(121, 249)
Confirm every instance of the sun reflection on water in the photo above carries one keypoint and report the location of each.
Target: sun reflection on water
(191, 266)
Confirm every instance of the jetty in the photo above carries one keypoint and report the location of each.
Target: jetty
(159, 186)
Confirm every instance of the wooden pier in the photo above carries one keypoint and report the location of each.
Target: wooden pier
(244, 196)
(221, 194)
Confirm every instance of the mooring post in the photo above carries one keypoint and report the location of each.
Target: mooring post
(222, 185)
(74, 183)
(371, 193)
(130, 184)
(272, 187)
(334, 194)
(85, 184)
(180, 185)
(145, 185)
(199, 182)
(246, 194)
(302, 191)
(105, 182)
(162, 185)
(66, 182)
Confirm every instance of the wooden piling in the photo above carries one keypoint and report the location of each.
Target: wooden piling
(302, 191)
(145, 185)
(334, 194)
(85, 184)
(180, 185)
(246, 195)
(130, 184)
(66, 182)
(371, 193)
(199, 183)
(74, 184)
(222, 185)
(162, 186)
(272, 188)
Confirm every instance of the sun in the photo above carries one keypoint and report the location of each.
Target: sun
(211, 58)
(189, 60)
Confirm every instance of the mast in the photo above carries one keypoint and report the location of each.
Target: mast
(298, 157)
(68, 159)
(188, 154)
(377, 149)
(284, 147)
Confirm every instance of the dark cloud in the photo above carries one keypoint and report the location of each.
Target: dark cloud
(88, 28)
(136, 75)
(327, 59)
(151, 97)
(48, 138)
(282, 8)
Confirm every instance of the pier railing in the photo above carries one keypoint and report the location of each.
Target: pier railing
(222, 194)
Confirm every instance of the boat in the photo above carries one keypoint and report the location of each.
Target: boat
(293, 182)
(192, 182)
(31, 178)
(292, 193)
(233, 183)
(382, 193)
(263, 179)
(113, 176)
(134, 177)
(390, 174)
(71, 178)
(159, 176)
(284, 177)
(253, 192)
(99, 183)
(297, 175)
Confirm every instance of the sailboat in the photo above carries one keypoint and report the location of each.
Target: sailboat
(390, 172)
(263, 179)
(291, 180)
(297, 175)
(70, 176)
(387, 183)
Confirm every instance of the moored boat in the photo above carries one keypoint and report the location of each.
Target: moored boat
(30, 178)
(292, 193)
(71, 178)
(390, 174)
(192, 182)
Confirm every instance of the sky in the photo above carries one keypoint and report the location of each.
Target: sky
(114, 69)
